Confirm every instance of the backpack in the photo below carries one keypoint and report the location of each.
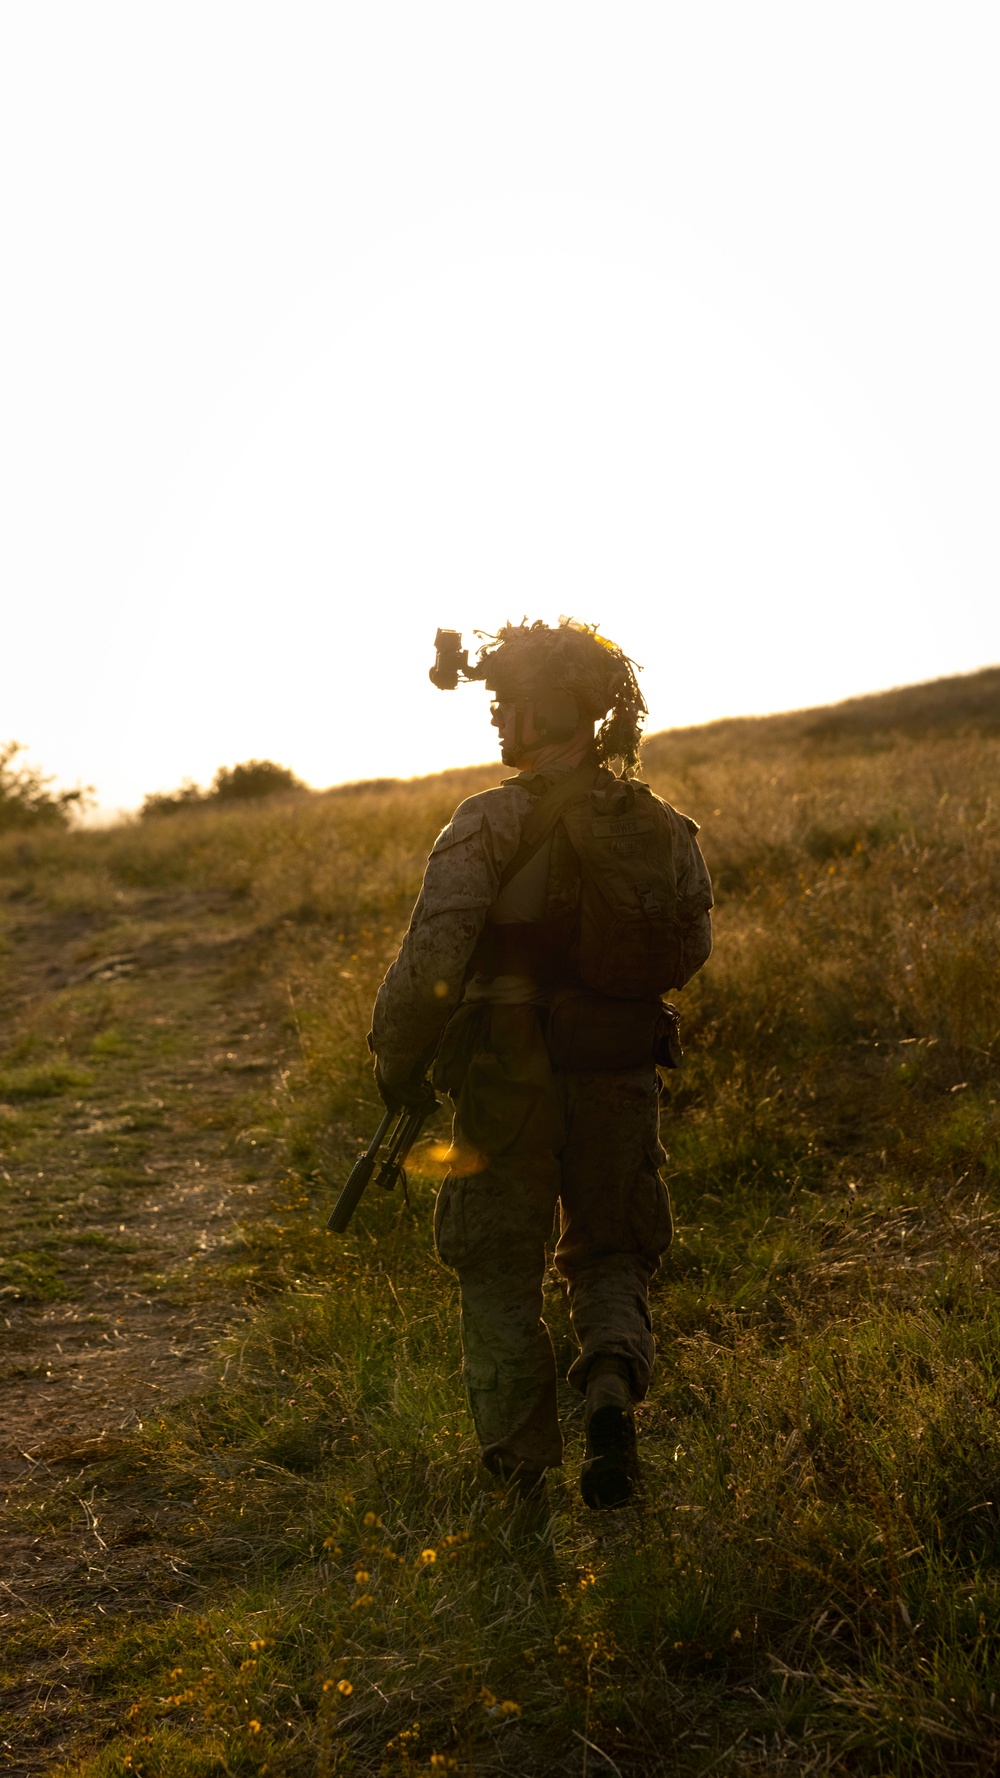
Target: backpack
(630, 847)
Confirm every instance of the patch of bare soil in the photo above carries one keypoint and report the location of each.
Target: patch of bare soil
(119, 1182)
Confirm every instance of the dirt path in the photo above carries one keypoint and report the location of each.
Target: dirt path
(128, 1071)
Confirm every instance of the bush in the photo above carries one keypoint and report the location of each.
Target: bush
(254, 778)
(170, 802)
(25, 797)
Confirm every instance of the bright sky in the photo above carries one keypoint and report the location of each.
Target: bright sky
(324, 324)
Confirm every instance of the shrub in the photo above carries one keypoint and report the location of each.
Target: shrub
(169, 802)
(253, 778)
(25, 797)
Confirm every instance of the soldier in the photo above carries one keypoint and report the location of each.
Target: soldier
(554, 911)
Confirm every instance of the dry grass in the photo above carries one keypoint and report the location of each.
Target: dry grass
(810, 1581)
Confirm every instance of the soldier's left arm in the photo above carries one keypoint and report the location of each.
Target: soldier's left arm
(426, 982)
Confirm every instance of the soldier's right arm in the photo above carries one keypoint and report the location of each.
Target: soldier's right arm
(425, 983)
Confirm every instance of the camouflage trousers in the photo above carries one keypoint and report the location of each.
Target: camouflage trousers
(527, 1138)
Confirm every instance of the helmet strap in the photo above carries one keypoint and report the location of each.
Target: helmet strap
(519, 709)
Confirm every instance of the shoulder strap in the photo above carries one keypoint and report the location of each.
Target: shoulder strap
(542, 818)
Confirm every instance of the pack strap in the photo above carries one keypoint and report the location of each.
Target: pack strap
(542, 818)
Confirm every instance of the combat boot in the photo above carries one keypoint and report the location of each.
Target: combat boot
(611, 1466)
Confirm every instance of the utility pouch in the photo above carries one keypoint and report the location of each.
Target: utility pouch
(667, 1052)
(589, 1032)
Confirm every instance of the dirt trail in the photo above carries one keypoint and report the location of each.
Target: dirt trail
(119, 1178)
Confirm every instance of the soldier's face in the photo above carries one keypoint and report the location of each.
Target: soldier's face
(515, 746)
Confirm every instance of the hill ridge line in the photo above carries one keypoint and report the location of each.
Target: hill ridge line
(957, 700)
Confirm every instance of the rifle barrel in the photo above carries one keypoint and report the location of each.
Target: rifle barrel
(361, 1173)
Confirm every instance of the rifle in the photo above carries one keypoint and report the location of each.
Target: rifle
(409, 1122)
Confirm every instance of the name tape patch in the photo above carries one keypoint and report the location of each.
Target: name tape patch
(619, 827)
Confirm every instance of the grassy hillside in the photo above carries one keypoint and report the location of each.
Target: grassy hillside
(811, 1579)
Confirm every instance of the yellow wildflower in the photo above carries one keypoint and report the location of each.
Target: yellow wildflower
(428, 1556)
(345, 1688)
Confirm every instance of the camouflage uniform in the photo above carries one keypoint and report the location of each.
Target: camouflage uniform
(526, 1136)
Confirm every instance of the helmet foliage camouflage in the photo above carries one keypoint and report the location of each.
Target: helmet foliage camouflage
(525, 661)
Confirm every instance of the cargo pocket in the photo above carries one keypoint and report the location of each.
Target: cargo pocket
(494, 1111)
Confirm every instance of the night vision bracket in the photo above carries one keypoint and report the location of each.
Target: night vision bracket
(451, 662)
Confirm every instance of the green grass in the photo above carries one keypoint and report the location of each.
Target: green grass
(30, 1276)
(811, 1580)
(44, 1081)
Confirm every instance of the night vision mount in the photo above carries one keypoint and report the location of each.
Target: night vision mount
(451, 662)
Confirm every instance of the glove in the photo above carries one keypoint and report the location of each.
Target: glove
(411, 1090)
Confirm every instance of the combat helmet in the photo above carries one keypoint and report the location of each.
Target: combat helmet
(571, 674)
